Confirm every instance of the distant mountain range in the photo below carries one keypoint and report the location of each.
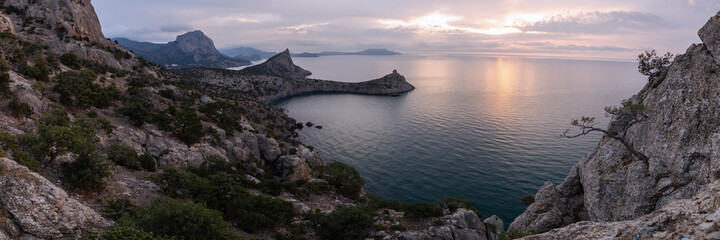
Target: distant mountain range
(247, 53)
(367, 52)
(192, 49)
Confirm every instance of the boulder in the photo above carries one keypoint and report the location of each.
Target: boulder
(495, 227)
(269, 148)
(292, 167)
(41, 209)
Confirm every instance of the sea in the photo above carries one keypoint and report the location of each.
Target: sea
(477, 127)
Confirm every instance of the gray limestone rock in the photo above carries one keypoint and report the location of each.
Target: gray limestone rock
(41, 209)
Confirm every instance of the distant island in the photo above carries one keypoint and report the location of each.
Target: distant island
(366, 52)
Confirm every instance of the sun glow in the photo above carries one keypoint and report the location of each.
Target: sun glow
(438, 23)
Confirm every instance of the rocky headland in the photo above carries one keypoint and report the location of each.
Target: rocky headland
(279, 77)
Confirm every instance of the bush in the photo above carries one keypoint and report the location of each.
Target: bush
(226, 114)
(56, 134)
(123, 155)
(652, 65)
(76, 88)
(70, 60)
(453, 204)
(20, 109)
(88, 172)
(127, 233)
(345, 178)
(148, 162)
(397, 227)
(27, 160)
(374, 202)
(179, 219)
(344, 223)
(219, 185)
(188, 127)
(527, 199)
(136, 112)
(424, 210)
(4, 84)
(118, 206)
(39, 71)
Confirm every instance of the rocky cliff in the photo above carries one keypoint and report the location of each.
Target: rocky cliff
(279, 77)
(192, 49)
(617, 192)
(63, 26)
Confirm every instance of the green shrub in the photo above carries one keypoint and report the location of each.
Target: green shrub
(118, 206)
(397, 227)
(453, 204)
(188, 127)
(527, 199)
(148, 162)
(70, 60)
(347, 223)
(259, 211)
(20, 109)
(374, 202)
(225, 114)
(88, 172)
(179, 219)
(127, 233)
(76, 88)
(345, 178)
(4, 84)
(136, 112)
(123, 155)
(56, 135)
(39, 71)
(424, 210)
(27, 160)
(219, 185)
(653, 65)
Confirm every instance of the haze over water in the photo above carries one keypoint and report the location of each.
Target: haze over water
(478, 128)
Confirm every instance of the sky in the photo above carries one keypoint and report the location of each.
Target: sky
(607, 29)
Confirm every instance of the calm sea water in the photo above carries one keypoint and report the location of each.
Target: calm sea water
(478, 128)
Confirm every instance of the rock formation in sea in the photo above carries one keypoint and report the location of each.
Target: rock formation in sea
(611, 194)
(279, 77)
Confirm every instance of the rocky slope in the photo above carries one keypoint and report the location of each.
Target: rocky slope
(192, 49)
(278, 78)
(622, 195)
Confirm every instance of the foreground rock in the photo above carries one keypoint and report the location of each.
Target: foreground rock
(36, 208)
(696, 218)
(681, 138)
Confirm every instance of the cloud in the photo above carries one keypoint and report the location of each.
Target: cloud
(176, 28)
(574, 47)
(596, 22)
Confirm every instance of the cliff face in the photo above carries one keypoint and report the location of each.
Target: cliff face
(63, 26)
(681, 137)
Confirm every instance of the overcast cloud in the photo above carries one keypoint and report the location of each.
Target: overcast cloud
(600, 29)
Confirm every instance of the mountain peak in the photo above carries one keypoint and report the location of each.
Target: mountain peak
(280, 65)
